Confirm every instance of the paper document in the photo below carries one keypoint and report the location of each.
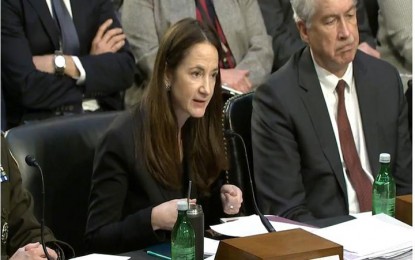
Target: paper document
(373, 236)
(251, 225)
(210, 246)
(101, 257)
(231, 90)
(332, 257)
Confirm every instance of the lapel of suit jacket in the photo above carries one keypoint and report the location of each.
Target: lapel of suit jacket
(315, 103)
(44, 15)
(367, 96)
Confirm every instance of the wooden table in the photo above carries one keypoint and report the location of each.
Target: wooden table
(403, 210)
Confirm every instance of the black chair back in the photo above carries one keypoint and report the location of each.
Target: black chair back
(64, 148)
(237, 129)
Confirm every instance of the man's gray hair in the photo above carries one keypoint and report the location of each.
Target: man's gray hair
(305, 9)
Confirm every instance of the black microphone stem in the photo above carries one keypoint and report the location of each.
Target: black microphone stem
(32, 162)
(263, 219)
(42, 221)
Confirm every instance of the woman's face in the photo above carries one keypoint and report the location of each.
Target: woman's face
(193, 82)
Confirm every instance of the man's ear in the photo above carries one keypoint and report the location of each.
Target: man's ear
(303, 30)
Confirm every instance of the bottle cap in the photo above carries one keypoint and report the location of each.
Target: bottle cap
(384, 158)
(182, 205)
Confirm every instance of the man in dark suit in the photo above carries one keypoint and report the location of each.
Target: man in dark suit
(299, 165)
(41, 79)
(278, 17)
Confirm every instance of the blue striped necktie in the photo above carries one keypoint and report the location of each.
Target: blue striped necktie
(69, 36)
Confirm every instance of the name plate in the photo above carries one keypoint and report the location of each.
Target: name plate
(295, 244)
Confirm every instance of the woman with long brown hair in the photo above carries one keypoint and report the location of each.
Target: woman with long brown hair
(149, 154)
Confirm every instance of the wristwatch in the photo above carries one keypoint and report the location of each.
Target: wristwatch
(59, 63)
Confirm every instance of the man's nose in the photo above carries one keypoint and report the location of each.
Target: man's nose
(344, 30)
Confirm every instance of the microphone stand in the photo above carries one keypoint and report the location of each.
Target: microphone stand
(33, 163)
(264, 220)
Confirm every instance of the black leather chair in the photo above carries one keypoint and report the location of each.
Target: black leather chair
(64, 148)
(237, 129)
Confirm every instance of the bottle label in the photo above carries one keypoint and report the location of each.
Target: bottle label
(384, 194)
(386, 206)
(183, 253)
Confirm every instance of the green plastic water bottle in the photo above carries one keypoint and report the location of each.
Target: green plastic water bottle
(183, 235)
(384, 188)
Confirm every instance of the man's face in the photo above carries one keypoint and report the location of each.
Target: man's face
(333, 35)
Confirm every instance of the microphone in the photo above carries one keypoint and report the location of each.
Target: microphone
(264, 220)
(31, 161)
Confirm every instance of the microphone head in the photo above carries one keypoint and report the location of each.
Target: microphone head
(31, 161)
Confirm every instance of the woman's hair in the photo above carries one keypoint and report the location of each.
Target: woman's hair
(202, 137)
(305, 9)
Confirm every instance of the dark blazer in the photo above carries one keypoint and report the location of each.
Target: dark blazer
(298, 170)
(18, 223)
(28, 29)
(123, 193)
(286, 40)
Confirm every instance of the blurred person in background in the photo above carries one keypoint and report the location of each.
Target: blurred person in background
(245, 46)
(62, 58)
(395, 35)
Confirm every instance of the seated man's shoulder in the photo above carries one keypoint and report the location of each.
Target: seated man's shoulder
(374, 64)
(283, 82)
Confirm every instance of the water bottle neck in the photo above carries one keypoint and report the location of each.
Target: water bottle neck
(385, 168)
(182, 216)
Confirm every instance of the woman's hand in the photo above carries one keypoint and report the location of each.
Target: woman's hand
(164, 216)
(231, 197)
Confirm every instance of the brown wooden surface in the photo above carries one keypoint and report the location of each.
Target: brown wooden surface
(403, 210)
(291, 244)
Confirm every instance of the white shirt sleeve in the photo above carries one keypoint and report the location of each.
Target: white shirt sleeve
(82, 76)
